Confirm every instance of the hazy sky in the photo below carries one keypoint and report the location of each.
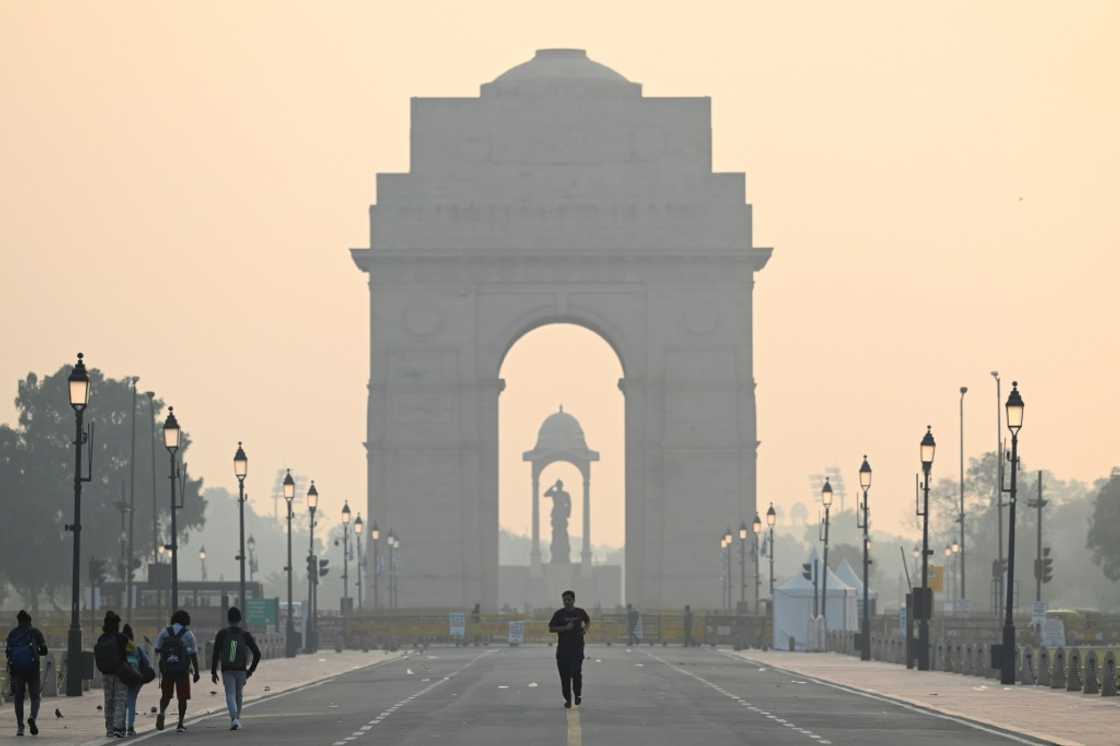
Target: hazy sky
(180, 183)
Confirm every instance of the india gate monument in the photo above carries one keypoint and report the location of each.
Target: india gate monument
(560, 194)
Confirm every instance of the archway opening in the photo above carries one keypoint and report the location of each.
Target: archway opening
(551, 367)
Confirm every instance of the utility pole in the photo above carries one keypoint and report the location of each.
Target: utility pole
(1039, 504)
(998, 580)
(964, 390)
(131, 503)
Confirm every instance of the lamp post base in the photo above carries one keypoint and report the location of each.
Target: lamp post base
(74, 662)
(1007, 669)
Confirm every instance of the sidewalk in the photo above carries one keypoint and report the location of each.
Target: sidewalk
(83, 723)
(1065, 718)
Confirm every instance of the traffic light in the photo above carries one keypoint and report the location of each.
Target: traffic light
(1047, 565)
(999, 567)
(311, 567)
(323, 567)
(807, 570)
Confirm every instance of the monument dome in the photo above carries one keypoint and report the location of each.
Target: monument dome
(561, 71)
(561, 432)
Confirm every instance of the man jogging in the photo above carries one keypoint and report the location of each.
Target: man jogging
(177, 652)
(233, 646)
(570, 624)
(25, 645)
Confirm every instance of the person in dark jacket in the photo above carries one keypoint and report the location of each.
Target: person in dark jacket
(116, 691)
(24, 647)
(232, 646)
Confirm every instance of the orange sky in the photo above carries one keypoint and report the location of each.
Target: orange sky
(180, 183)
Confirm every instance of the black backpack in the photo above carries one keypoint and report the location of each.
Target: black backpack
(107, 653)
(173, 653)
(235, 657)
(24, 658)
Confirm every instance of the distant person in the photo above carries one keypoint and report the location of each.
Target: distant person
(177, 652)
(632, 618)
(109, 653)
(139, 660)
(24, 647)
(570, 624)
(233, 645)
(687, 626)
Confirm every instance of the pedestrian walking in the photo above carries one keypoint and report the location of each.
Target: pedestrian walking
(233, 645)
(137, 659)
(110, 653)
(570, 624)
(178, 653)
(632, 619)
(23, 649)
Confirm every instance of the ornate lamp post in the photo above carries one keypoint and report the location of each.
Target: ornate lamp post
(924, 605)
(240, 470)
(171, 437)
(290, 627)
(865, 485)
(375, 541)
(728, 540)
(345, 552)
(79, 399)
(756, 532)
(742, 564)
(1015, 409)
(359, 524)
(312, 569)
(202, 560)
(771, 519)
(826, 501)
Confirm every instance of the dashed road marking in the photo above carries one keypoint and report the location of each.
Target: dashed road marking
(575, 728)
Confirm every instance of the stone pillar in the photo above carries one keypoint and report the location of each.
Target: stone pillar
(585, 555)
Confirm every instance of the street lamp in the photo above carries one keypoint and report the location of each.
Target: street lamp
(79, 386)
(924, 605)
(756, 532)
(202, 560)
(345, 552)
(358, 525)
(742, 564)
(1015, 409)
(240, 470)
(771, 519)
(865, 632)
(375, 540)
(312, 570)
(290, 627)
(728, 539)
(826, 501)
(171, 437)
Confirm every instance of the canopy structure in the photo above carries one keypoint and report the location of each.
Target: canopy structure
(793, 610)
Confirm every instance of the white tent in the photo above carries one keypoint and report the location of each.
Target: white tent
(793, 610)
(848, 574)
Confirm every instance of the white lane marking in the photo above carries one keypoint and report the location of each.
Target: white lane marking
(384, 715)
(903, 705)
(730, 695)
(575, 728)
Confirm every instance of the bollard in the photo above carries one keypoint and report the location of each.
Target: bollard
(1058, 675)
(966, 669)
(1026, 668)
(989, 671)
(1092, 685)
(1108, 675)
(1043, 668)
(1073, 679)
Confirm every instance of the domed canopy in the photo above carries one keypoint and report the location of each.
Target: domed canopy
(557, 71)
(561, 438)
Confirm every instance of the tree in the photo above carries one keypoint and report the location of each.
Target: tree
(1102, 528)
(38, 464)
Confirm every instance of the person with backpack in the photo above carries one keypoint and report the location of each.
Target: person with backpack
(24, 647)
(109, 653)
(177, 652)
(139, 661)
(232, 646)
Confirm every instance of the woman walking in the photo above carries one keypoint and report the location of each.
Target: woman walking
(139, 660)
(110, 654)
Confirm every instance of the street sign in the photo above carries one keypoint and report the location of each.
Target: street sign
(516, 633)
(1053, 633)
(1038, 613)
(937, 578)
(457, 624)
(261, 612)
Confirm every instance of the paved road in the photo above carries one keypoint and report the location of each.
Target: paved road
(639, 697)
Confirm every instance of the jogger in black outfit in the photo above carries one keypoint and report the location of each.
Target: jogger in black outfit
(570, 624)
